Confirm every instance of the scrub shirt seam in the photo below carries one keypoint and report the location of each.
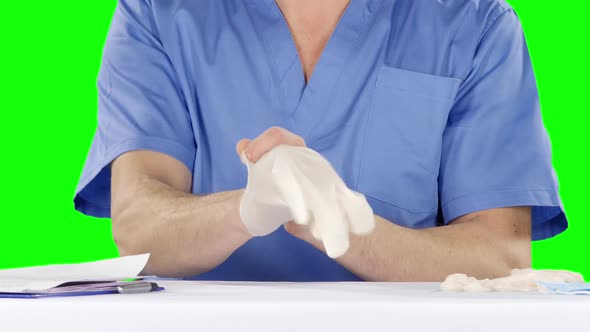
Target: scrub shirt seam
(453, 42)
(492, 23)
(272, 62)
(419, 94)
(359, 39)
(365, 134)
(551, 191)
(91, 202)
(104, 147)
(489, 24)
(109, 76)
(361, 162)
(288, 69)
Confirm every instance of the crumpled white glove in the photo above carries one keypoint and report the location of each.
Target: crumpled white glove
(297, 184)
(518, 280)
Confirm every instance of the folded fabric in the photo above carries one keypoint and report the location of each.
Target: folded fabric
(518, 280)
(298, 184)
(565, 288)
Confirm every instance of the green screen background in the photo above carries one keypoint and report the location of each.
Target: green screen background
(49, 61)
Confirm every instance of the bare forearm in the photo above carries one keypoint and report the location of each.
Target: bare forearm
(185, 234)
(395, 253)
(484, 245)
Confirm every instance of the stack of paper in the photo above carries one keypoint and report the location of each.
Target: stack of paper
(102, 277)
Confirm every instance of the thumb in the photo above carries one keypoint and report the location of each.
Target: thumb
(241, 146)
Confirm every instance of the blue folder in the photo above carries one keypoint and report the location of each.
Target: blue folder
(86, 289)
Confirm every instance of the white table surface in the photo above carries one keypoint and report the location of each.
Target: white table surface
(222, 306)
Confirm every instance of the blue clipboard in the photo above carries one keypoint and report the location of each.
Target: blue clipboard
(135, 288)
(42, 295)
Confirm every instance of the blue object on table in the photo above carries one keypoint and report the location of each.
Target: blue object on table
(566, 288)
(93, 289)
(40, 295)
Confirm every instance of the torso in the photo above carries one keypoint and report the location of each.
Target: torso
(376, 105)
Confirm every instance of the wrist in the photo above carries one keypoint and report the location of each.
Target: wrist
(237, 225)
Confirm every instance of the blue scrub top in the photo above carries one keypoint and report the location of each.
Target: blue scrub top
(412, 101)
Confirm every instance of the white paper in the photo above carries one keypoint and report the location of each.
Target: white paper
(44, 277)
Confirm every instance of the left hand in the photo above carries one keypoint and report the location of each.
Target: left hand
(263, 221)
(299, 185)
(256, 148)
(271, 138)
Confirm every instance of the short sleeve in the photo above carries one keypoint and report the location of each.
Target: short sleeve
(140, 105)
(496, 152)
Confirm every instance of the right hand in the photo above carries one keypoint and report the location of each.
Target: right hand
(267, 215)
(297, 184)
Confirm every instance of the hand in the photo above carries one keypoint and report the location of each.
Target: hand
(271, 138)
(263, 221)
(295, 183)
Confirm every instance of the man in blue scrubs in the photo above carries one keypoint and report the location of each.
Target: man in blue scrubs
(427, 107)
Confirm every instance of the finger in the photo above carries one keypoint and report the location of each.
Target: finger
(298, 231)
(241, 146)
(359, 212)
(315, 231)
(332, 225)
(300, 181)
(269, 139)
(291, 191)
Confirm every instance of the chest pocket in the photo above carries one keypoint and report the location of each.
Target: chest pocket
(402, 150)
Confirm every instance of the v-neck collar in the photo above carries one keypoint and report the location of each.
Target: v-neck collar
(300, 98)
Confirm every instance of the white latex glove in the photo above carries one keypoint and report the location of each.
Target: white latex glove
(518, 280)
(297, 184)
